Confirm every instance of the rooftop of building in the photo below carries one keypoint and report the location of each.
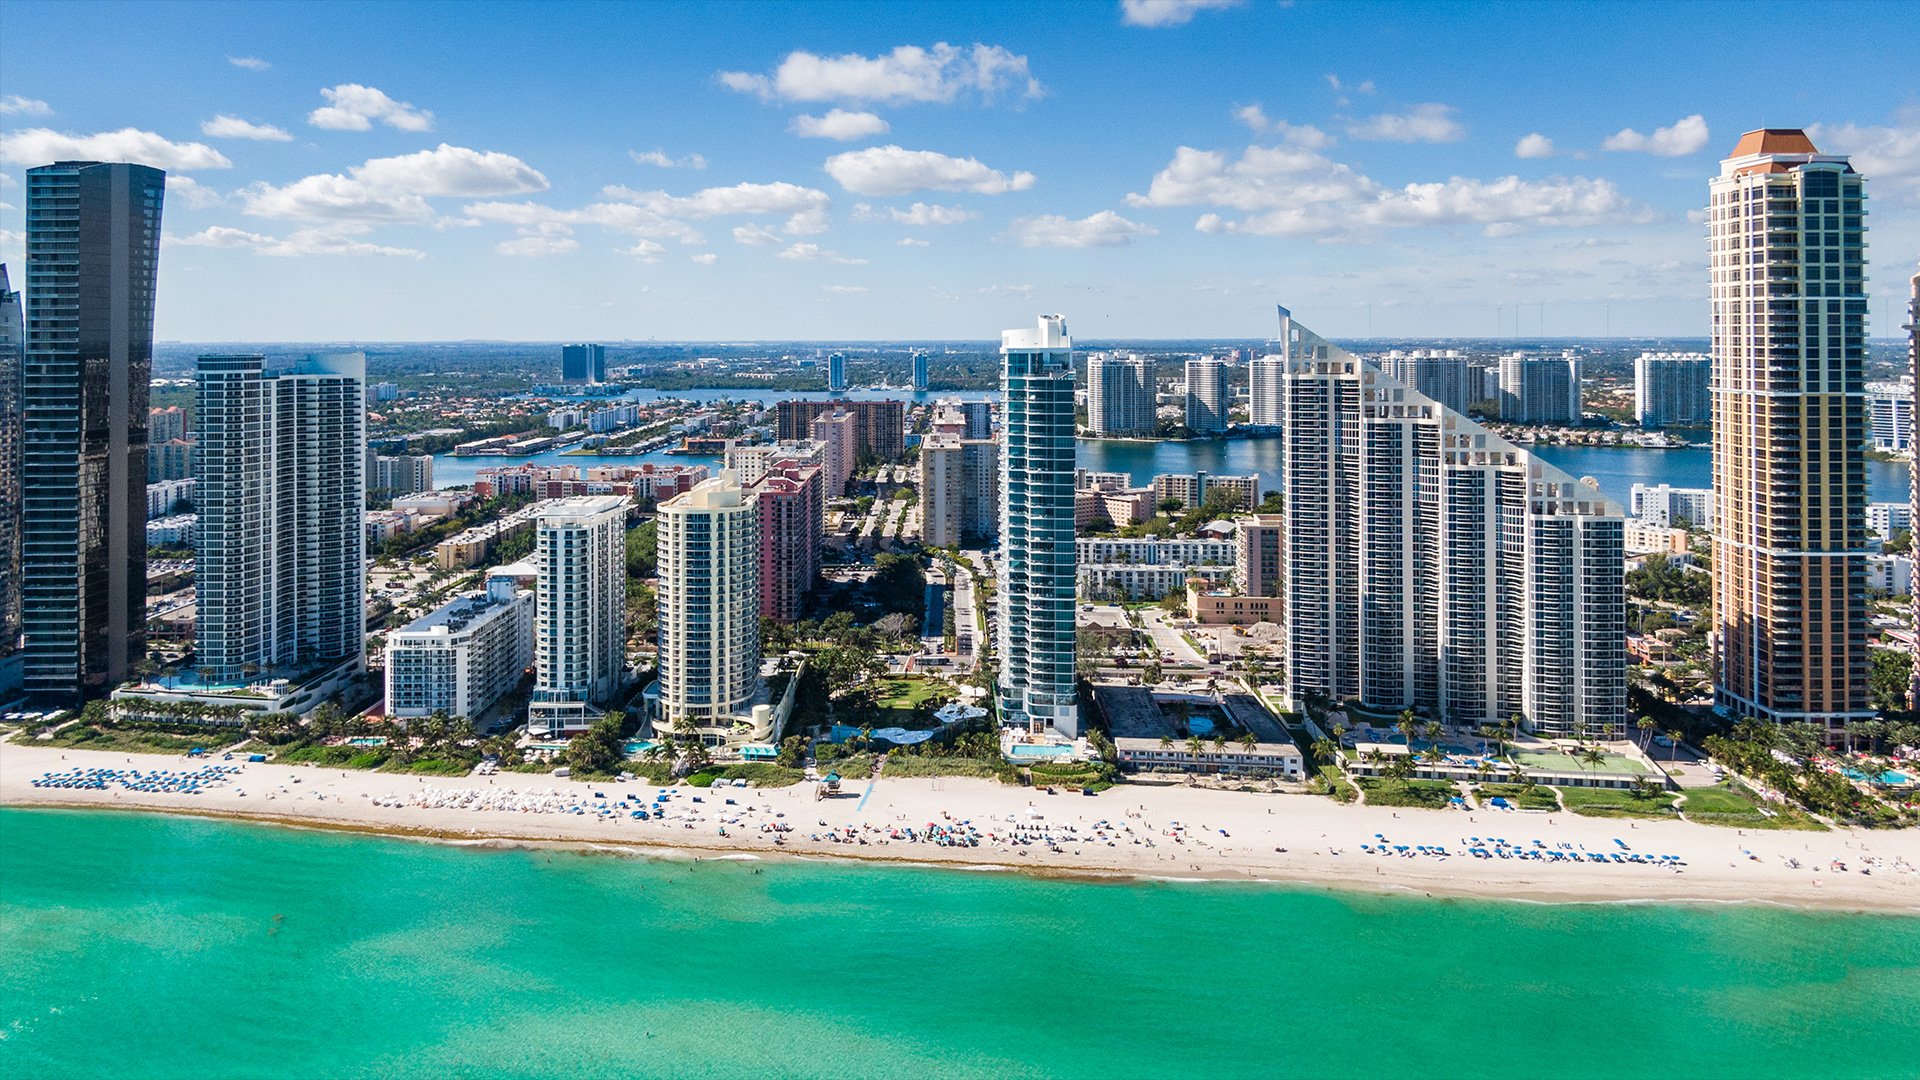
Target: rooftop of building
(581, 506)
(459, 613)
(1774, 141)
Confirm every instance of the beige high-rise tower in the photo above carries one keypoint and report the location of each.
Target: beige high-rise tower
(1788, 246)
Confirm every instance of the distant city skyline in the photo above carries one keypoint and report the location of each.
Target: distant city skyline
(816, 173)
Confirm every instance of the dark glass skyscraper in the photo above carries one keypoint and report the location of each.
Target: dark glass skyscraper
(583, 363)
(93, 244)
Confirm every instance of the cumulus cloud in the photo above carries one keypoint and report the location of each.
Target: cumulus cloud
(913, 241)
(1884, 154)
(845, 290)
(1535, 145)
(396, 188)
(614, 216)
(891, 170)
(816, 253)
(839, 125)
(1104, 229)
(353, 107)
(41, 146)
(15, 105)
(191, 192)
(645, 250)
(1168, 12)
(538, 244)
(661, 159)
(755, 236)
(779, 197)
(806, 223)
(909, 73)
(232, 127)
(251, 63)
(1293, 134)
(705, 258)
(1684, 137)
(1293, 192)
(1431, 122)
(919, 214)
(336, 240)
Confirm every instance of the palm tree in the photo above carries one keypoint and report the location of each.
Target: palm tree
(1646, 725)
(1406, 727)
(1674, 736)
(1166, 742)
(1195, 746)
(1593, 756)
(1249, 740)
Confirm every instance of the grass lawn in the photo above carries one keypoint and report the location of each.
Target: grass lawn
(1540, 798)
(1426, 794)
(907, 692)
(1617, 803)
(334, 757)
(928, 765)
(134, 741)
(1729, 803)
(1336, 783)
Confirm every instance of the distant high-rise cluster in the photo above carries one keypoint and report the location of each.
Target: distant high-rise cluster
(1672, 389)
(1430, 564)
(1540, 389)
(1787, 234)
(93, 249)
(1037, 574)
(1444, 375)
(1120, 395)
(583, 363)
(1207, 396)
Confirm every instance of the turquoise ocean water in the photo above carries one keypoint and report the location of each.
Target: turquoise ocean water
(142, 946)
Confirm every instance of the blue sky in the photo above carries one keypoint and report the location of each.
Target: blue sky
(1151, 169)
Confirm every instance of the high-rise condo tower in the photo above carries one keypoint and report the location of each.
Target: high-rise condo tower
(1037, 562)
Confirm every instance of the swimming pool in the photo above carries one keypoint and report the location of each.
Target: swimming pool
(368, 740)
(1200, 725)
(640, 747)
(1030, 750)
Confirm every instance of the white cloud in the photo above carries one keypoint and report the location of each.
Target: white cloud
(705, 258)
(15, 105)
(755, 236)
(1365, 87)
(397, 188)
(538, 244)
(1167, 12)
(616, 217)
(1290, 192)
(1104, 229)
(251, 63)
(913, 241)
(354, 107)
(232, 127)
(919, 214)
(839, 125)
(661, 159)
(890, 170)
(816, 253)
(779, 197)
(1305, 135)
(1535, 145)
(1884, 154)
(337, 240)
(41, 146)
(1431, 122)
(1686, 136)
(645, 250)
(806, 223)
(1025, 292)
(845, 290)
(187, 190)
(908, 73)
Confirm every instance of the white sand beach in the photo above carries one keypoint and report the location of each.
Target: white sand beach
(1131, 830)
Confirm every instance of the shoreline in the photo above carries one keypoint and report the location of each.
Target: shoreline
(1290, 841)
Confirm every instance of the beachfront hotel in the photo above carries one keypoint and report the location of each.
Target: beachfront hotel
(1120, 394)
(1430, 564)
(1788, 251)
(1036, 566)
(710, 611)
(463, 657)
(93, 244)
(580, 613)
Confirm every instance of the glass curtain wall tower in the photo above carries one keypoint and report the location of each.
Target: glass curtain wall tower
(93, 248)
(1037, 564)
(1786, 229)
